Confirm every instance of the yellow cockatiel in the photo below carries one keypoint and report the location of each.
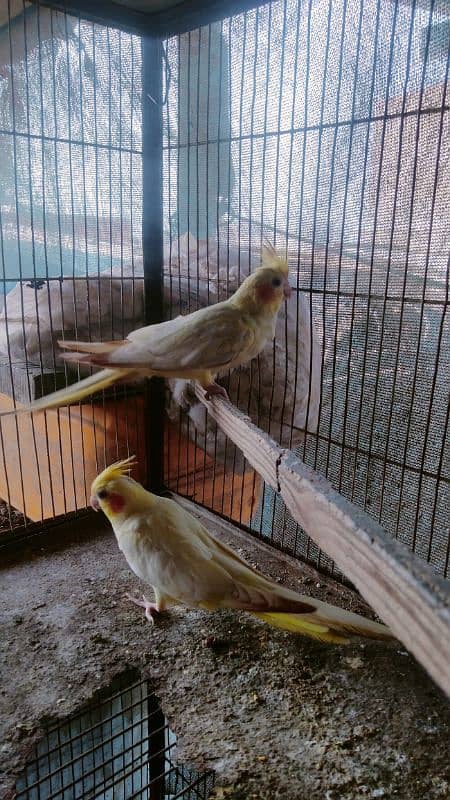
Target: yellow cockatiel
(196, 346)
(170, 550)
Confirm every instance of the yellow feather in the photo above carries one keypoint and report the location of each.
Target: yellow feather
(295, 623)
(270, 258)
(116, 470)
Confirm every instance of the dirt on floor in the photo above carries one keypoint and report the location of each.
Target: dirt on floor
(273, 714)
(10, 518)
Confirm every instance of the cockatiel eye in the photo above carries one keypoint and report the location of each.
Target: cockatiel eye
(276, 282)
(102, 494)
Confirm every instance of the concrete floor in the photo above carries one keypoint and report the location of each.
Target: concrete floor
(275, 715)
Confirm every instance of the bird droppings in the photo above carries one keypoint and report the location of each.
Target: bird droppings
(273, 714)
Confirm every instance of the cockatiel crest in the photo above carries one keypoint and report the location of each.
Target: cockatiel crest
(270, 258)
(116, 470)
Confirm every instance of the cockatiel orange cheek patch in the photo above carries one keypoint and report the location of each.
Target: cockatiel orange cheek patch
(116, 503)
(265, 293)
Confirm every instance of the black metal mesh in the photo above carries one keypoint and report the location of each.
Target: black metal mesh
(324, 126)
(70, 245)
(119, 746)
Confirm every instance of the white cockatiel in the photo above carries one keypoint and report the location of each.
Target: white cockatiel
(169, 549)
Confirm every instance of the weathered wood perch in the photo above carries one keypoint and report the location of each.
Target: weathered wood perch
(403, 590)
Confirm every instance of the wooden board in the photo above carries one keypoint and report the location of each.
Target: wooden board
(403, 590)
(51, 458)
(192, 473)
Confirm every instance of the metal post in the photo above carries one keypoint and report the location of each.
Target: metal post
(156, 743)
(152, 243)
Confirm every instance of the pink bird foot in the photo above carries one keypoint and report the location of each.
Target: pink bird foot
(215, 390)
(151, 609)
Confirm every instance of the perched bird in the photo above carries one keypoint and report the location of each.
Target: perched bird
(195, 346)
(170, 550)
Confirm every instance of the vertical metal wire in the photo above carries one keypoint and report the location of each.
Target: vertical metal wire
(408, 246)
(44, 232)
(152, 243)
(391, 245)
(97, 221)
(263, 180)
(71, 476)
(96, 751)
(72, 215)
(20, 266)
(85, 218)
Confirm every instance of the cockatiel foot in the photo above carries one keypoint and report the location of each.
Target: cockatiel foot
(215, 390)
(151, 609)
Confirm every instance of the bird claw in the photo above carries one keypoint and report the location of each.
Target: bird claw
(151, 609)
(215, 390)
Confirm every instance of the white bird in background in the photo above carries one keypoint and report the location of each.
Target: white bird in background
(281, 389)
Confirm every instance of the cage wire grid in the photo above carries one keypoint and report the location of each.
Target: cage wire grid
(70, 238)
(325, 126)
(118, 746)
(320, 125)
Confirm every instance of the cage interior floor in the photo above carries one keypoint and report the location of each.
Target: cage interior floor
(273, 714)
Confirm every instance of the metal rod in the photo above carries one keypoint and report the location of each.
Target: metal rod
(152, 244)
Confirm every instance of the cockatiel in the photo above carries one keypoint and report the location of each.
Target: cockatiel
(170, 550)
(196, 346)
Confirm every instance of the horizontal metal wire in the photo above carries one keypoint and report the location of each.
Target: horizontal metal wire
(85, 754)
(84, 770)
(414, 112)
(72, 142)
(137, 278)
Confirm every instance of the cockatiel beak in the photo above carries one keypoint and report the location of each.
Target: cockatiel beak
(94, 503)
(287, 290)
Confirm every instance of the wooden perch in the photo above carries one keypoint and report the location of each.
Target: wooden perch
(402, 589)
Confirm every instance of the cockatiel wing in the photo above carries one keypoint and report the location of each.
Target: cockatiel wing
(194, 568)
(189, 565)
(210, 338)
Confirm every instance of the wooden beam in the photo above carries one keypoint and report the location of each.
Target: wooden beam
(403, 590)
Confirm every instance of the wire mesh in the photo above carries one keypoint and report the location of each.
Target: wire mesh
(324, 126)
(70, 246)
(118, 746)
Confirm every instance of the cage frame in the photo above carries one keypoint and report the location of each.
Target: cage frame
(402, 588)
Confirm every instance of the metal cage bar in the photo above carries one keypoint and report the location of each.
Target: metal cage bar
(152, 243)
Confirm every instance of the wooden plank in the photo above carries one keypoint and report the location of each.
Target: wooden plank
(52, 457)
(192, 473)
(259, 449)
(403, 590)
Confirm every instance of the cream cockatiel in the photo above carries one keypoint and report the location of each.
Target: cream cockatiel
(196, 346)
(170, 550)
